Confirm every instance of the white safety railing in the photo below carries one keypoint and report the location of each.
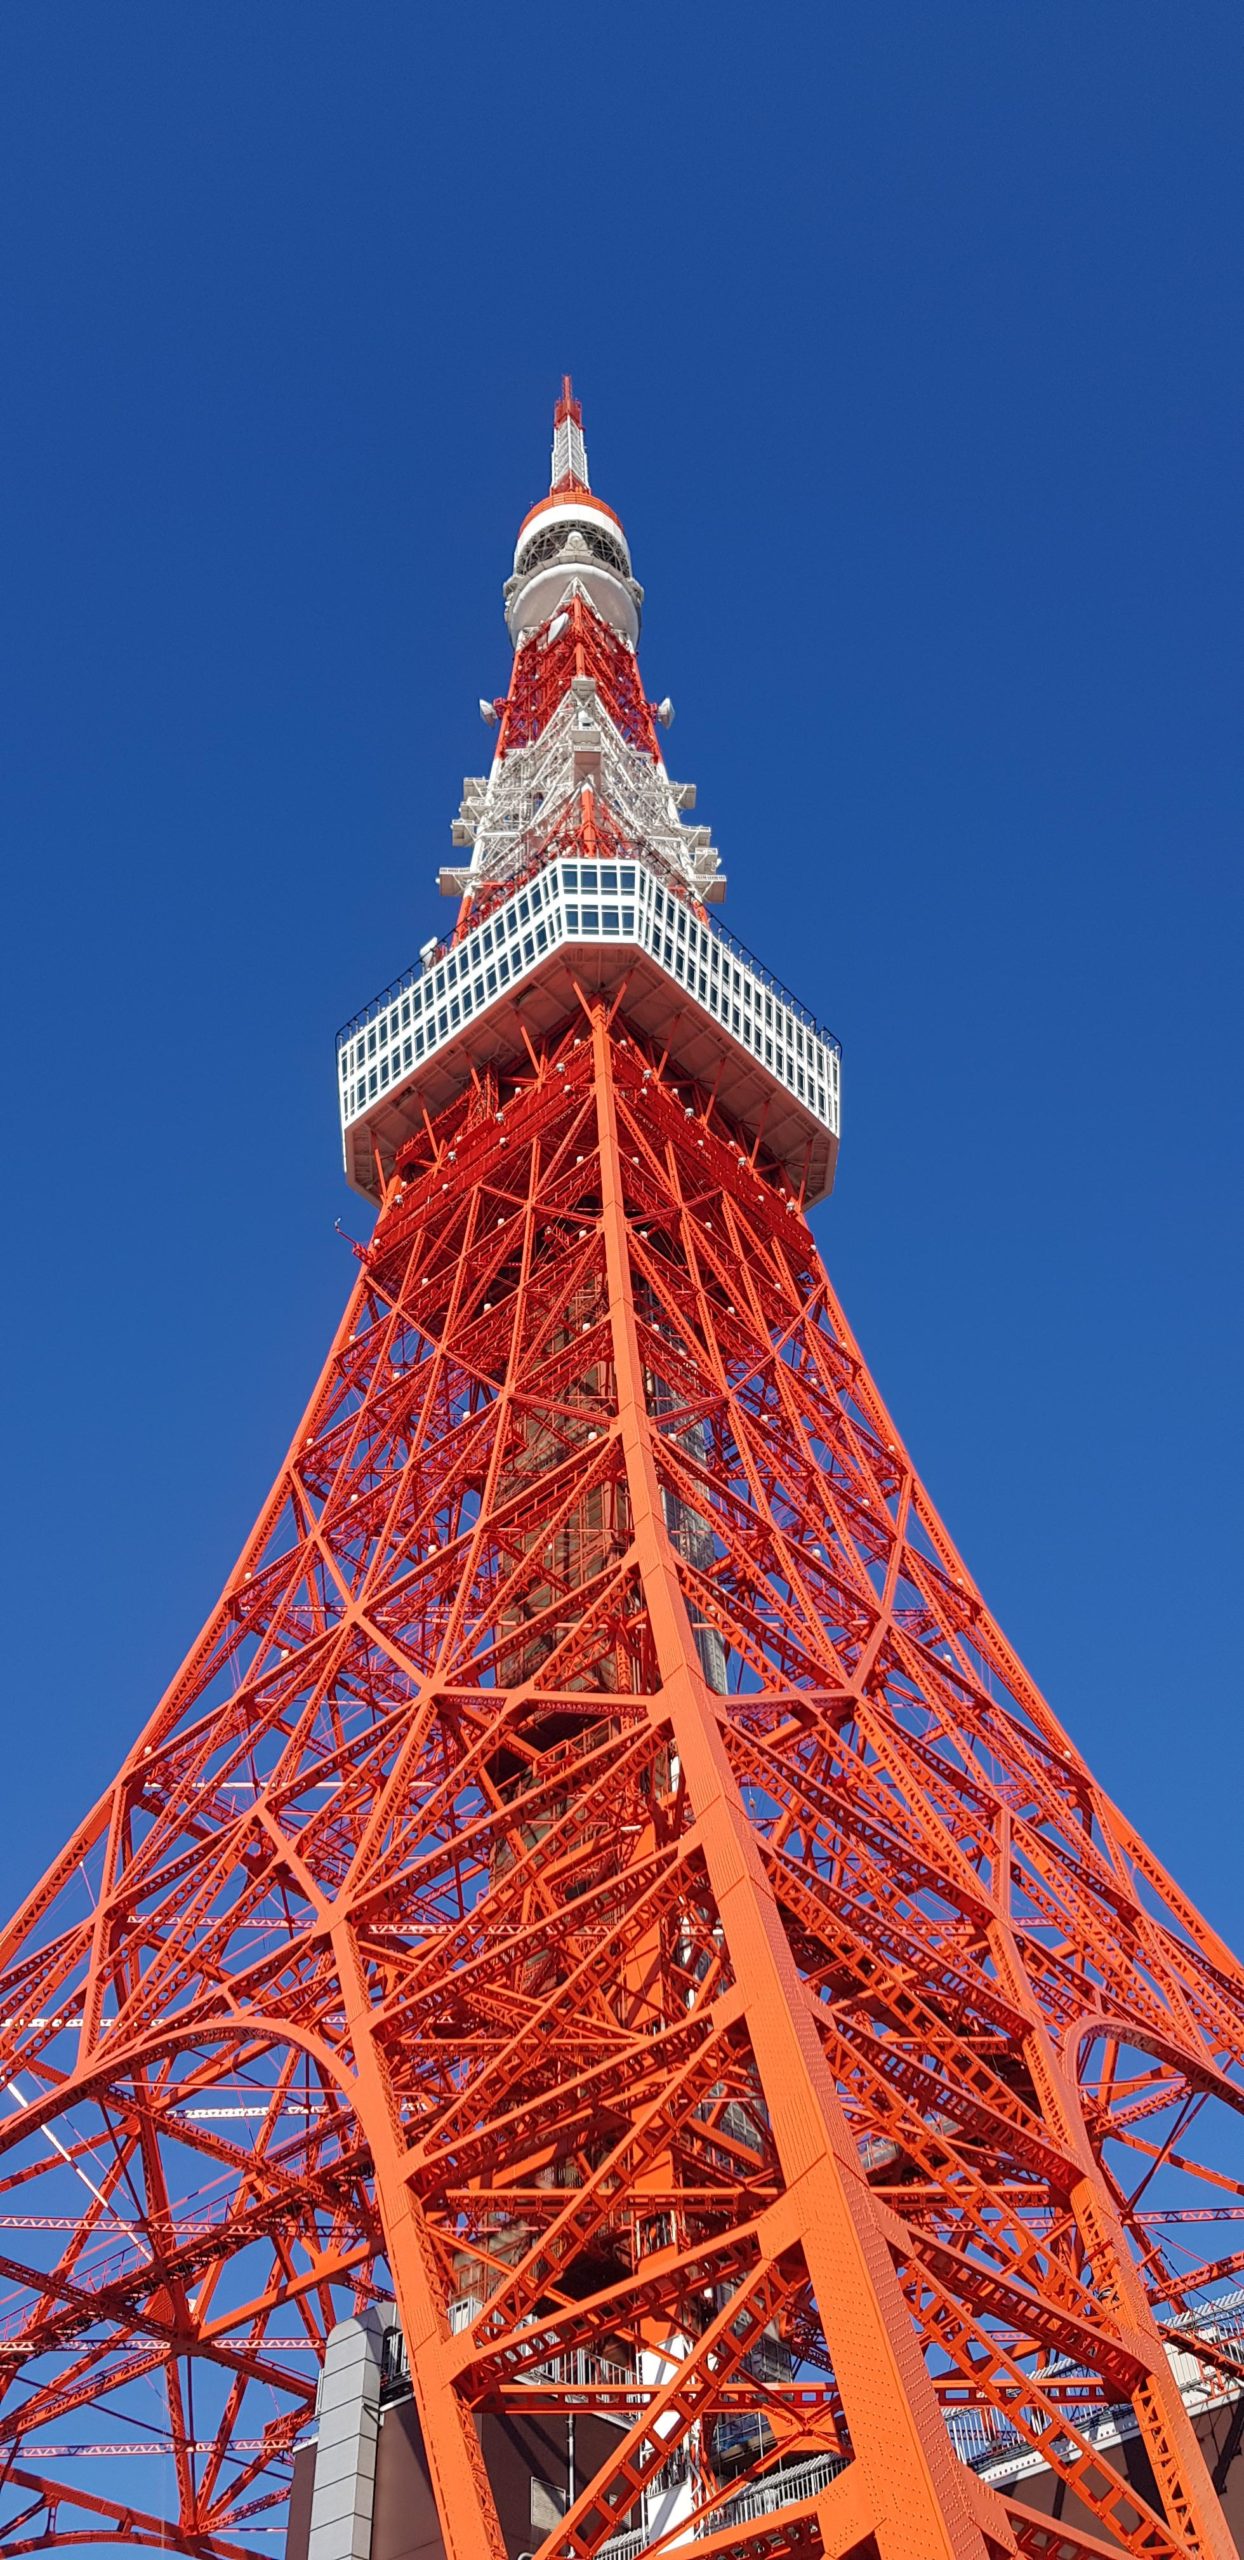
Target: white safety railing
(595, 903)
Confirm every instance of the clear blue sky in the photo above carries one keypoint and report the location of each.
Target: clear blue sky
(909, 337)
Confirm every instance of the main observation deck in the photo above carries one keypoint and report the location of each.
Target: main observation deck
(721, 1019)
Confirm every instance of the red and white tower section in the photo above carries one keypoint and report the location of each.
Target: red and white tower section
(584, 873)
(603, 2013)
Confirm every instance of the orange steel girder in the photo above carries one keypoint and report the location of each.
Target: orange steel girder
(602, 1868)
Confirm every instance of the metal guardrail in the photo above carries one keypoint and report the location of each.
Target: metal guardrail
(787, 2488)
(779, 2489)
(729, 941)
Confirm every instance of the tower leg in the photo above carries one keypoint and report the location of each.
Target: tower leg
(1167, 2433)
(468, 2515)
(917, 2500)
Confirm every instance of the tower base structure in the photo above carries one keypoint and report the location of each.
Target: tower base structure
(533, 2470)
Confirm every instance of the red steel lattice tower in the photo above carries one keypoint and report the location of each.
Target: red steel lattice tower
(601, 1876)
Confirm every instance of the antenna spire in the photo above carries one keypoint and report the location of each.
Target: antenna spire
(569, 450)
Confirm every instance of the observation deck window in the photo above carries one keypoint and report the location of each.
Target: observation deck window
(548, 542)
(456, 983)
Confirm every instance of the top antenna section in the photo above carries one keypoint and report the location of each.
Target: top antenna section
(569, 449)
(571, 542)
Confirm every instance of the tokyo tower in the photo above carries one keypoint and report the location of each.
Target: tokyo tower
(601, 1922)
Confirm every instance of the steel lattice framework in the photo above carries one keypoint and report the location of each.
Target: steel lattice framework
(603, 1876)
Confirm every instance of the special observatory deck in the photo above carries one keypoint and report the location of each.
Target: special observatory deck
(723, 1019)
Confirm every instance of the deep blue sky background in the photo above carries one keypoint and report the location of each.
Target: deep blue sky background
(909, 337)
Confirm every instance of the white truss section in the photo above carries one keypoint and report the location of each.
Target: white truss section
(509, 816)
(569, 453)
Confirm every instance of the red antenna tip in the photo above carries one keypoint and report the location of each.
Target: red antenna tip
(568, 406)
